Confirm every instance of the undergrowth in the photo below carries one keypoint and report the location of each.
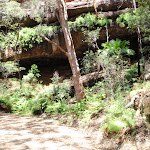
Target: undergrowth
(37, 99)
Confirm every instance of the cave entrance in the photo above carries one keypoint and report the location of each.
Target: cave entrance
(47, 66)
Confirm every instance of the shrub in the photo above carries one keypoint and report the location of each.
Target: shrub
(91, 37)
(17, 100)
(38, 104)
(28, 37)
(113, 62)
(5, 105)
(88, 62)
(117, 117)
(117, 48)
(99, 89)
(57, 108)
(9, 68)
(59, 92)
(132, 74)
(33, 74)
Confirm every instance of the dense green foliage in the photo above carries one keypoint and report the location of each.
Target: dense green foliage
(113, 62)
(117, 117)
(141, 17)
(137, 18)
(35, 99)
(88, 21)
(117, 48)
(9, 68)
(28, 37)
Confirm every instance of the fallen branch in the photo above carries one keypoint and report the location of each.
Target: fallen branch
(132, 101)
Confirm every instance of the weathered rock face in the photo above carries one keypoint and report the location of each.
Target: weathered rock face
(48, 50)
(75, 7)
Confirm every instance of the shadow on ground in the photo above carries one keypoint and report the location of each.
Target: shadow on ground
(32, 133)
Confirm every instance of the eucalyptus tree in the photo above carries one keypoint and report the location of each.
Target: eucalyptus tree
(78, 85)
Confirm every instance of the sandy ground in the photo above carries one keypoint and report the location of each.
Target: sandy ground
(32, 133)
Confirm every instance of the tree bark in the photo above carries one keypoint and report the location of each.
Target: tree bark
(78, 85)
(139, 41)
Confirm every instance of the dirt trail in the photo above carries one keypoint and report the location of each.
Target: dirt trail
(32, 133)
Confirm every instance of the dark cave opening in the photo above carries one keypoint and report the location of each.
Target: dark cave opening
(47, 66)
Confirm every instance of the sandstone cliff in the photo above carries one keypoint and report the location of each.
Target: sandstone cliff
(105, 8)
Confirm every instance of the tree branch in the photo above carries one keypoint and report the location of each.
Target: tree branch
(50, 41)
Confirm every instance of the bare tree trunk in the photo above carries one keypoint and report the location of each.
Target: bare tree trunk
(78, 85)
(139, 41)
(107, 33)
(17, 59)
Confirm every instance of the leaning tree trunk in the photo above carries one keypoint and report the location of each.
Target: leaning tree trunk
(78, 85)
